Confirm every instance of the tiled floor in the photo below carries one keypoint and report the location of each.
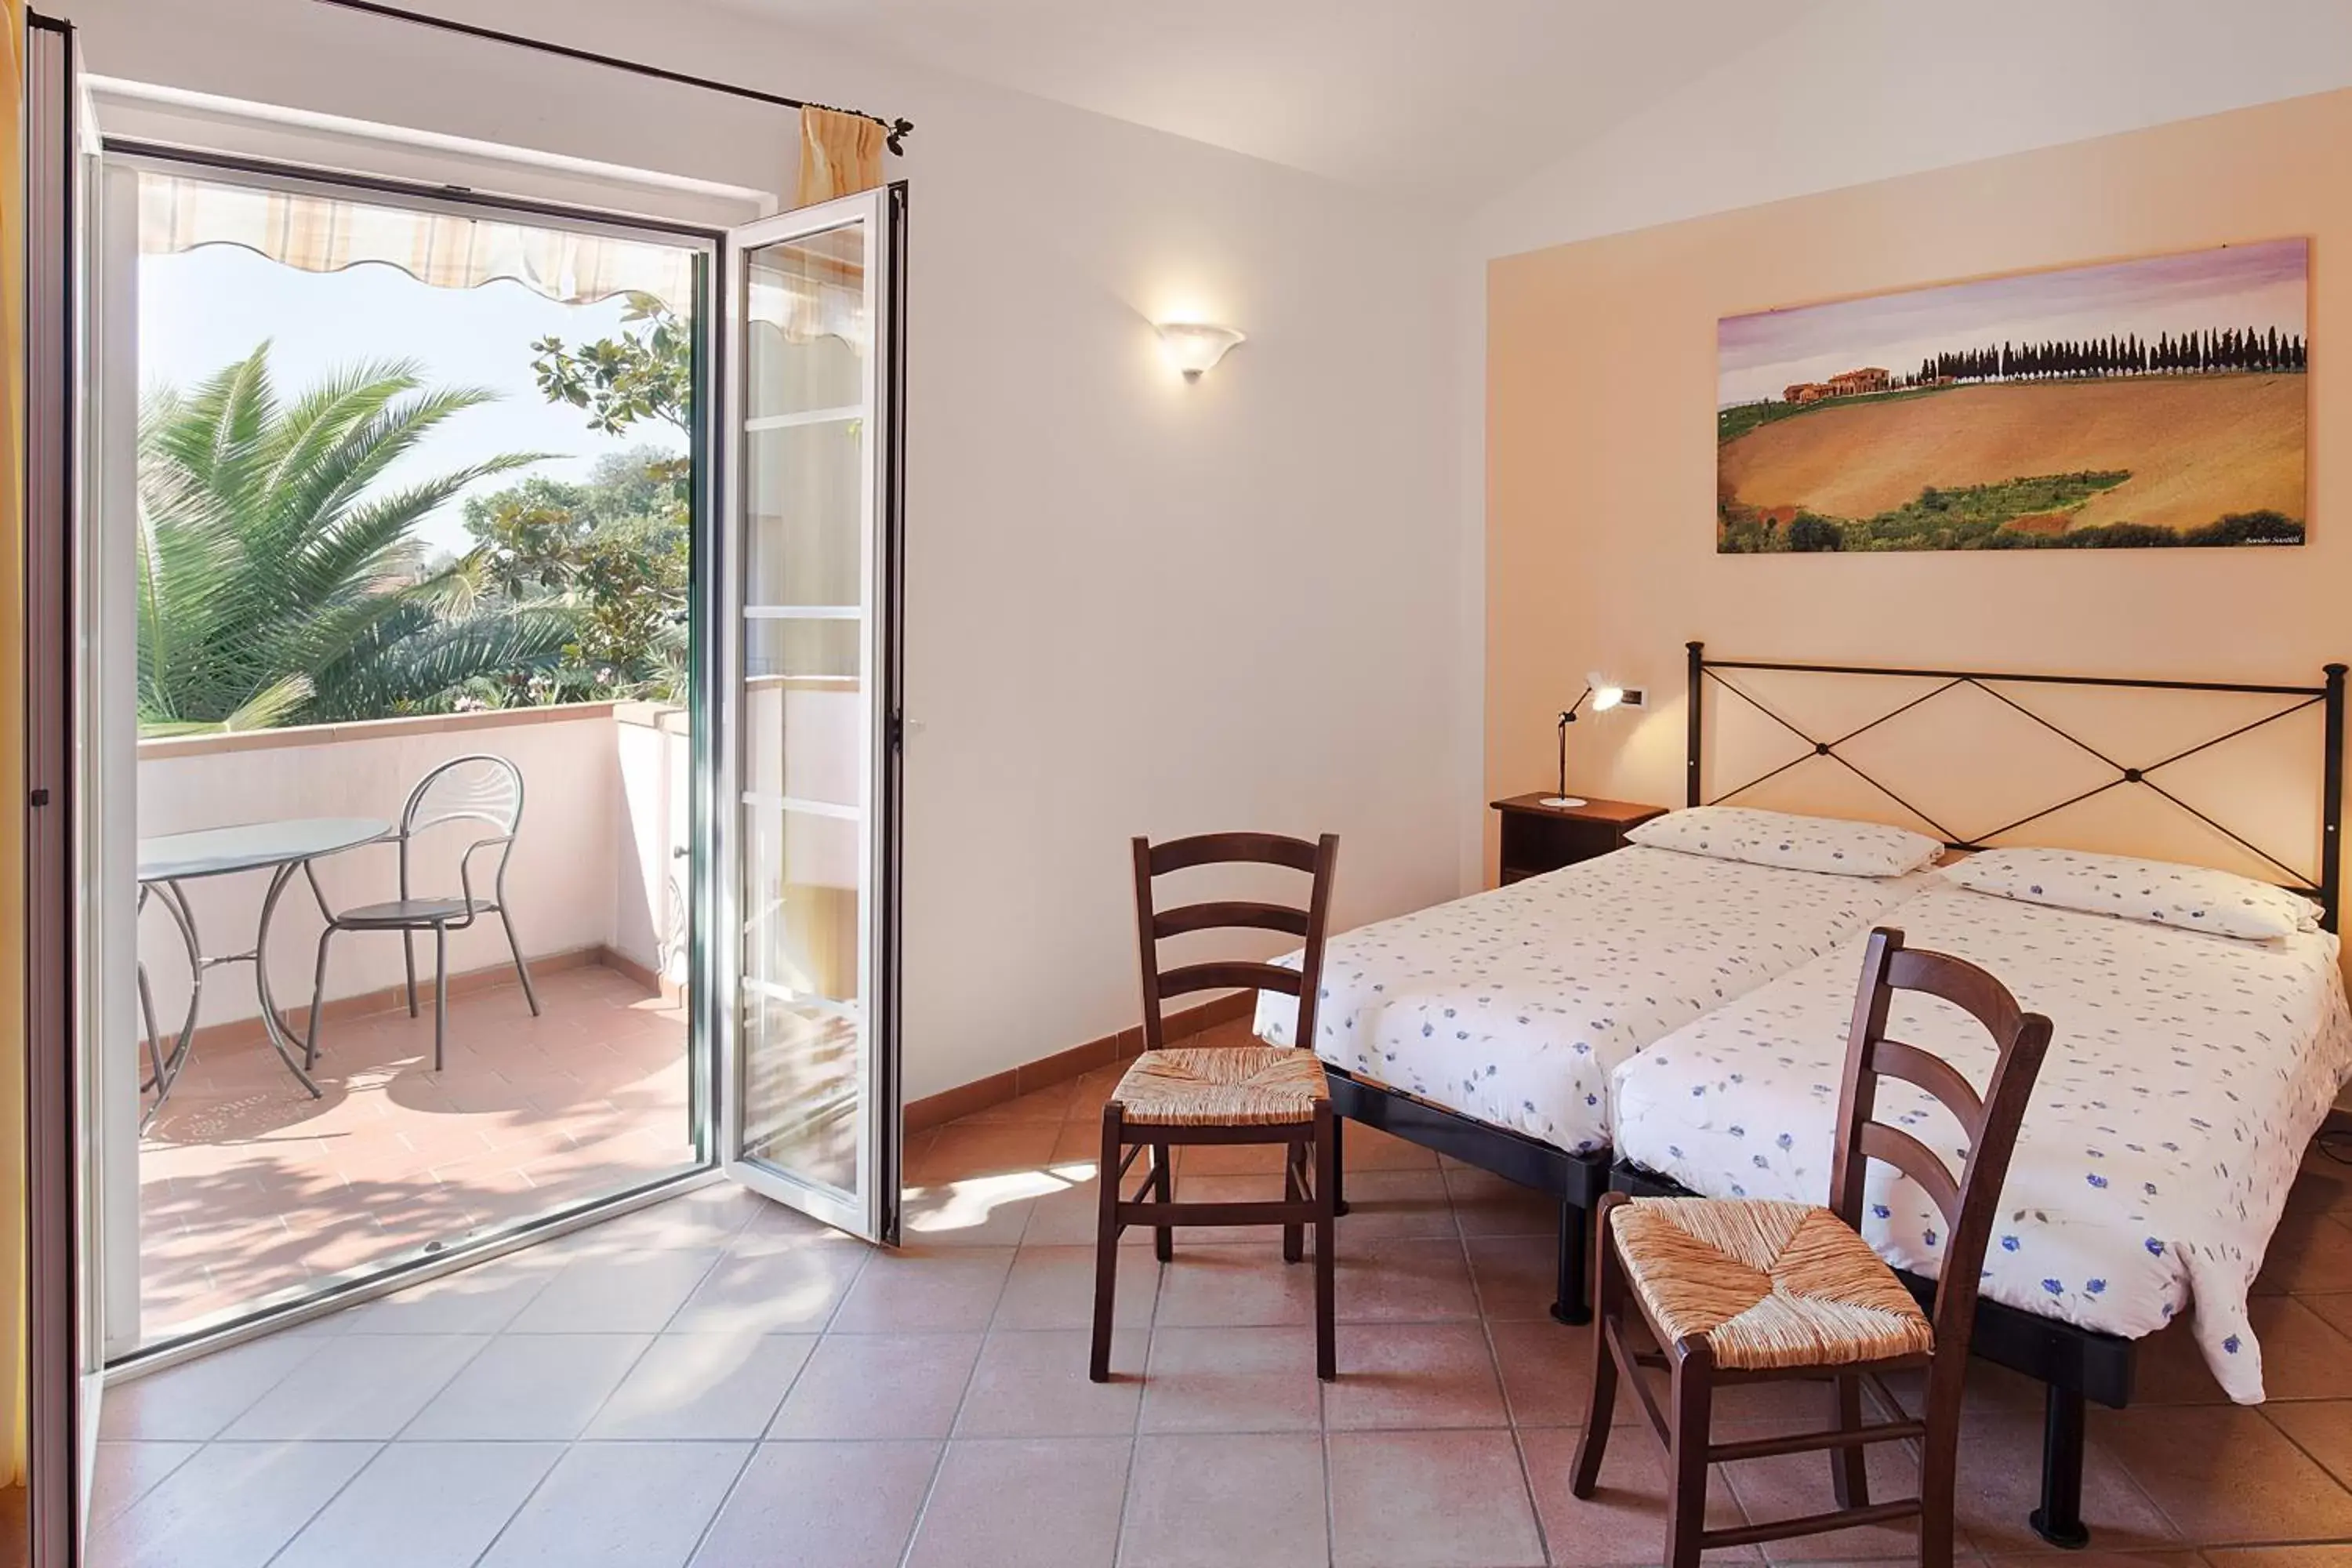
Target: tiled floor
(716, 1382)
(250, 1190)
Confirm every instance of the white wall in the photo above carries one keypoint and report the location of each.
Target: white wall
(1134, 605)
(1859, 90)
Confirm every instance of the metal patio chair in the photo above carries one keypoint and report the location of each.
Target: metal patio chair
(482, 789)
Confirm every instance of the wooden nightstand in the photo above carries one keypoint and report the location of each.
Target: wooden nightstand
(1538, 838)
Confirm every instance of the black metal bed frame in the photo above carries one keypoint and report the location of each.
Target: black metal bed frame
(2076, 1364)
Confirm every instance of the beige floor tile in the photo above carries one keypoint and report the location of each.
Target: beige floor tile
(357, 1387)
(977, 1211)
(423, 1505)
(1517, 1277)
(232, 1506)
(2339, 1555)
(482, 1299)
(774, 1283)
(1414, 1375)
(1487, 1205)
(1219, 1502)
(1232, 1380)
(1053, 1288)
(1430, 1500)
(1384, 1203)
(704, 1387)
(2322, 1429)
(879, 1386)
(1036, 1385)
(621, 1505)
(529, 1388)
(1547, 1372)
(2310, 1251)
(925, 1289)
(197, 1399)
(2223, 1473)
(787, 1509)
(1624, 1520)
(125, 1472)
(1368, 1148)
(1251, 1286)
(985, 1508)
(634, 1293)
(1402, 1280)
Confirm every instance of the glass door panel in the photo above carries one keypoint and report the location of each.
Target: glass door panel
(811, 1102)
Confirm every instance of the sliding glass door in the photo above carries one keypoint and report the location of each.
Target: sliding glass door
(809, 1092)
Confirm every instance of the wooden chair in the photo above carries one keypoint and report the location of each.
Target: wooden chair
(1741, 1290)
(1224, 1094)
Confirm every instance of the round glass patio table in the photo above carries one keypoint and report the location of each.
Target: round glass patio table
(171, 859)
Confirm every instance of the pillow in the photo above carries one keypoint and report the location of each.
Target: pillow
(2159, 892)
(1798, 843)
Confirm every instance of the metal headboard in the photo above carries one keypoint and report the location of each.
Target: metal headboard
(2325, 883)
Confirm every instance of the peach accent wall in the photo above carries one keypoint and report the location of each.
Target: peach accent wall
(1600, 453)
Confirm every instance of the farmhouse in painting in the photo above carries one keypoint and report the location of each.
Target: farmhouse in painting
(1845, 384)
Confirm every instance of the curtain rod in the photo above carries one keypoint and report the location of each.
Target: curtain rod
(894, 131)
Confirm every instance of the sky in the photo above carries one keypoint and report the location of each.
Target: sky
(204, 308)
(2260, 286)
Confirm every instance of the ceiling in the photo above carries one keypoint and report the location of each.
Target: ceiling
(1451, 99)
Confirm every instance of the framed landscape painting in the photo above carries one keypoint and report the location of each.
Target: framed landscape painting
(2158, 402)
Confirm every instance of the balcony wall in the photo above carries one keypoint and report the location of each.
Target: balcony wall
(596, 869)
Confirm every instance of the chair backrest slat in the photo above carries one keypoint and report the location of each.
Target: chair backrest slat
(1229, 915)
(1224, 848)
(1913, 1159)
(1990, 1122)
(1230, 974)
(1318, 859)
(1892, 1058)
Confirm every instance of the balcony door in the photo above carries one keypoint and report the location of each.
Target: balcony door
(808, 747)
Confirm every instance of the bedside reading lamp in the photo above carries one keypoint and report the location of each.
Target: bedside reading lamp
(1604, 697)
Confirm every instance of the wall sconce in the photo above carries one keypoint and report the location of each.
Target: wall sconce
(1195, 346)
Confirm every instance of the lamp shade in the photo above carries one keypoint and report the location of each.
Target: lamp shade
(1195, 346)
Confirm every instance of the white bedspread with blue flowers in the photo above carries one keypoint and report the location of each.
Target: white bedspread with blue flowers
(1514, 1006)
(2187, 1074)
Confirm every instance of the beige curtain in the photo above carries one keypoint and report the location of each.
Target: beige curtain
(840, 154)
(322, 234)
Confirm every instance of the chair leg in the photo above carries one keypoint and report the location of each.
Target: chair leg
(408, 961)
(1850, 1467)
(1164, 1186)
(1293, 1190)
(1326, 1190)
(1693, 1400)
(1593, 1443)
(1106, 1228)
(1939, 1464)
(440, 992)
(522, 970)
(317, 1003)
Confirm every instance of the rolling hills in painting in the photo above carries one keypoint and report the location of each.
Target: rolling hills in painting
(2095, 408)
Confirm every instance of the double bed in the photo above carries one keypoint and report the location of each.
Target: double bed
(1660, 1020)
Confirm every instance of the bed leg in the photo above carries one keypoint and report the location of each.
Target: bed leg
(2058, 1519)
(1574, 1304)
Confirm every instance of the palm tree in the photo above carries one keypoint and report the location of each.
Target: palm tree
(278, 579)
